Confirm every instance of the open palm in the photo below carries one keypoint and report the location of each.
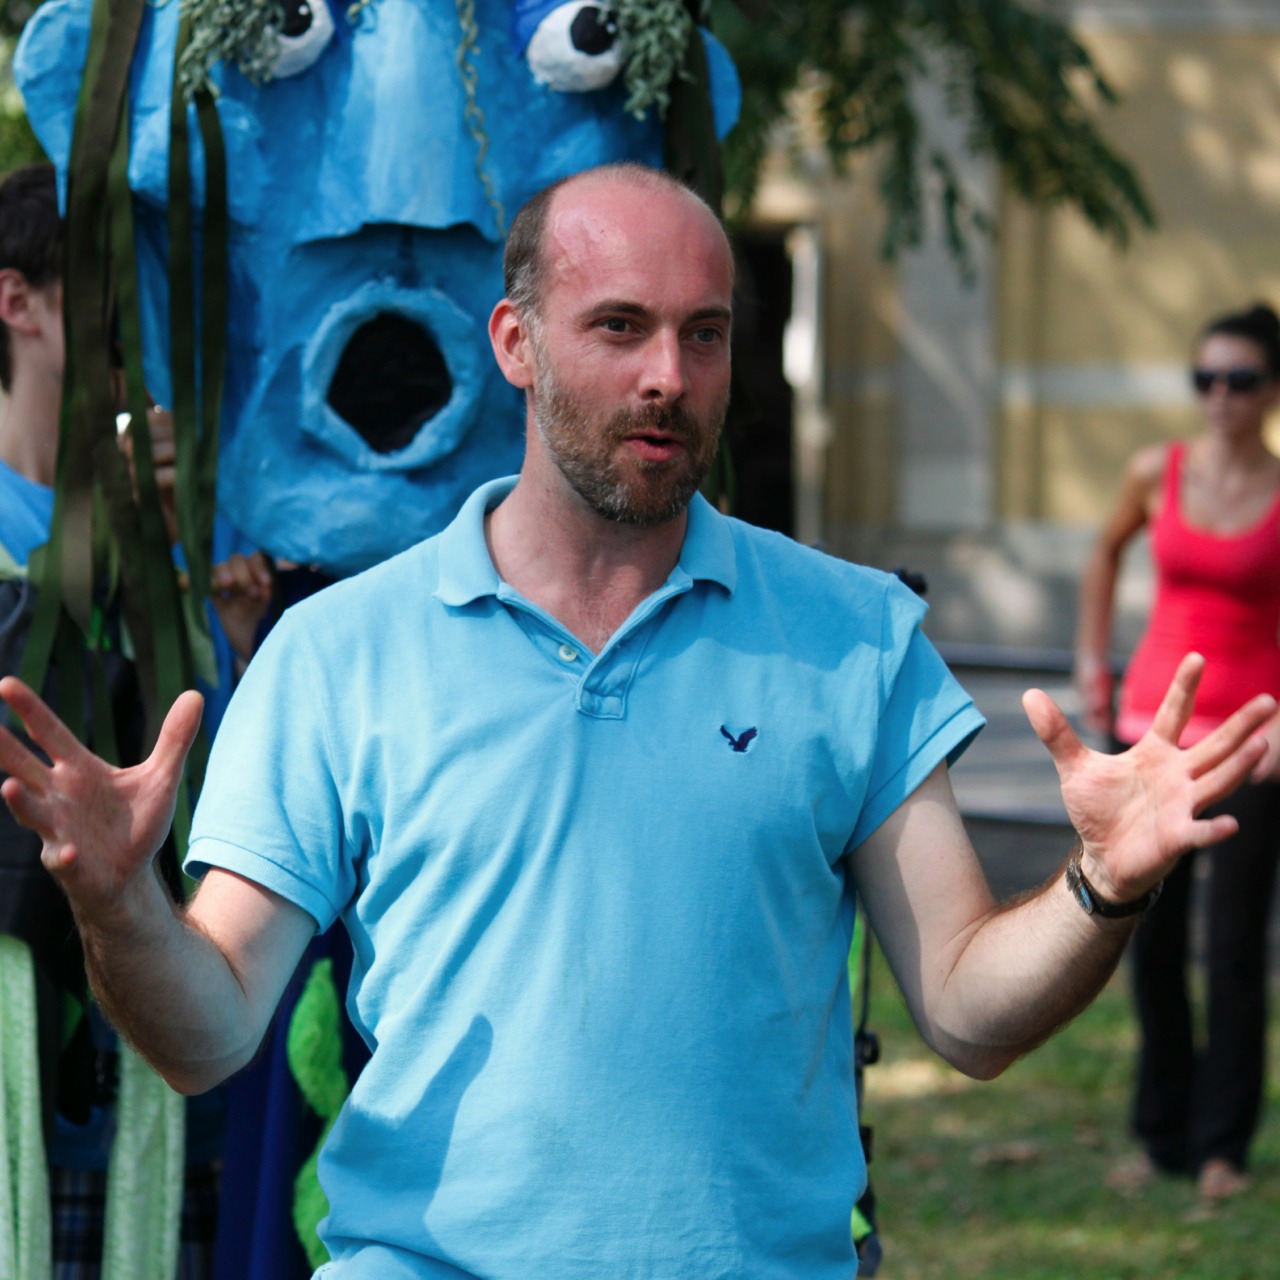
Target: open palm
(101, 826)
(1138, 812)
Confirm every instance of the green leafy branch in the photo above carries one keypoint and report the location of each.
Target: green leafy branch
(1027, 91)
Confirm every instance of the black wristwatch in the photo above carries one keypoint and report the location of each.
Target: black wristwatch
(1094, 904)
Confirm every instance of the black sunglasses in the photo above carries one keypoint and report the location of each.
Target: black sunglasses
(1239, 382)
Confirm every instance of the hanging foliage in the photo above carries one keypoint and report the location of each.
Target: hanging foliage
(109, 557)
(1025, 87)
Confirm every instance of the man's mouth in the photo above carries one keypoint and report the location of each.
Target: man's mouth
(656, 446)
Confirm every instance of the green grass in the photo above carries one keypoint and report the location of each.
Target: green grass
(1004, 1180)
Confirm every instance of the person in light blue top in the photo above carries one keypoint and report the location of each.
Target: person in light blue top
(30, 359)
(77, 1052)
(26, 511)
(592, 779)
(640, 846)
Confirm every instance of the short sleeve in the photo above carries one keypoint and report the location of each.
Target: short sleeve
(926, 717)
(270, 808)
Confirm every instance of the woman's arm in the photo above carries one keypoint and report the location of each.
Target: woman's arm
(1132, 510)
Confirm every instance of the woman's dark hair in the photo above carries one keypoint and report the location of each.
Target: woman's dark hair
(1259, 324)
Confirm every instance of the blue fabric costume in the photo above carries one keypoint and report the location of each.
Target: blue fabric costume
(369, 181)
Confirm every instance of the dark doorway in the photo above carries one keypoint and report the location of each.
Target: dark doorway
(759, 430)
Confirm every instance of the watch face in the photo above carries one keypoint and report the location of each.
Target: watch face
(1083, 893)
(1079, 891)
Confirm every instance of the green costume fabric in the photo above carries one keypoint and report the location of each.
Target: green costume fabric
(145, 1178)
(315, 1057)
(24, 1184)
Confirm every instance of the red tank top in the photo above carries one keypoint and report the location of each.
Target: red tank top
(1217, 594)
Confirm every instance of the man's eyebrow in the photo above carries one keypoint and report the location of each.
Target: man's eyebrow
(625, 307)
(713, 313)
(617, 306)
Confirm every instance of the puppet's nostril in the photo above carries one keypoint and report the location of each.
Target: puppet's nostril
(390, 381)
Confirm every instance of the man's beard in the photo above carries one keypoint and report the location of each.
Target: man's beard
(640, 491)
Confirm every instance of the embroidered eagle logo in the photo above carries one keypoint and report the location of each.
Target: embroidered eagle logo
(742, 741)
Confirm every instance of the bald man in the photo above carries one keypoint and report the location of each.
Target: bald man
(592, 779)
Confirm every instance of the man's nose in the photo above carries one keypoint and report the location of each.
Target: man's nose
(663, 376)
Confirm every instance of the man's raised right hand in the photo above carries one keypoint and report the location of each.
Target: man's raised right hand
(101, 826)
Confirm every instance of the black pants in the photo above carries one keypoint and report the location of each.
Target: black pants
(1199, 1096)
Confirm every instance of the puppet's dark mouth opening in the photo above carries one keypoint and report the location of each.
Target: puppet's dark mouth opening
(391, 379)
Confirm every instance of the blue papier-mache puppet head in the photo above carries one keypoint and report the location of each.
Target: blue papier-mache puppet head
(375, 155)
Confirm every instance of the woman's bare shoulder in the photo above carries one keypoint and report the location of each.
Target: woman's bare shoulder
(1146, 467)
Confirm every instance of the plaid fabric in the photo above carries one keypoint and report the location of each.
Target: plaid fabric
(79, 1206)
(199, 1221)
(79, 1211)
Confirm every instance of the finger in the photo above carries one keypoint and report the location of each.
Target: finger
(20, 762)
(178, 733)
(1220, 782)
(260, 567)
(241, 575)
(1179, 700)
(1236, 729)
(58, 859)
(246, 577)
(26, 805)
(1207, 831)
(43, 727)
(1052, 728)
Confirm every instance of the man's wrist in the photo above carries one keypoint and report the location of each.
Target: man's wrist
(1094, 903)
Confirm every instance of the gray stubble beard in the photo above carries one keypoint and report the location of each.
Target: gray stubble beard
(582, 451)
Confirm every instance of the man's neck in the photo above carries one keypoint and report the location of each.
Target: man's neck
(29, 429)
(586, 571)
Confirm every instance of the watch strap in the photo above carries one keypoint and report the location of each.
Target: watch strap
(1094, 904)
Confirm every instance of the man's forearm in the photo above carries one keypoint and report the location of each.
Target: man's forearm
(168, 989)
(1024, 970)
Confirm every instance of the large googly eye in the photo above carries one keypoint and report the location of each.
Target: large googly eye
(305, 35)
(576, 48)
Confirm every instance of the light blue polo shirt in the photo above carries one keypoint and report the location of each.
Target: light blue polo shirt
(26, 512)
(598, 907)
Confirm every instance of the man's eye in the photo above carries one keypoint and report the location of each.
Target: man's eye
(615, 324)
(708, 335)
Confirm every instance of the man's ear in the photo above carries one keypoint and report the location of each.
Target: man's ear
(15, 301)
(511, 345)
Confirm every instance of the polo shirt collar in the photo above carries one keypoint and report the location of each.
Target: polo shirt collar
(708, 553)
(466, 568)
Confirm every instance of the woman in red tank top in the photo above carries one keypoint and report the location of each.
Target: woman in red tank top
(1212, 508)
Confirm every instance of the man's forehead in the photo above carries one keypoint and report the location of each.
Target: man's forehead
(604, 235)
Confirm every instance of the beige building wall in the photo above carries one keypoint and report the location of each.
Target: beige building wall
(978, 435)
(1095, 342)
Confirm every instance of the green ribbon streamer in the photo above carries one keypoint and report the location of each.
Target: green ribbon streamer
(691, 150)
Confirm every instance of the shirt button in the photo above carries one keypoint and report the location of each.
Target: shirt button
(568, 653)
